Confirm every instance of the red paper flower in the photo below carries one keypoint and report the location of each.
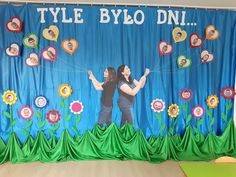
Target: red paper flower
(53, 116)
(227, 92)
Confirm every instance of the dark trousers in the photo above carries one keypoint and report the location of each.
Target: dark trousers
(127, 115)
(105, 115)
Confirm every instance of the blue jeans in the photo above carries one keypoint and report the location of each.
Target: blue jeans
(127, 115)
(105, 115)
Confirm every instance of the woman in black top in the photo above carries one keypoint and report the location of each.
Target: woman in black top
(108, 88)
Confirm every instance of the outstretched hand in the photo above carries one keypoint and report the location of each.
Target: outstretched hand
(147, 71)
(90, 73)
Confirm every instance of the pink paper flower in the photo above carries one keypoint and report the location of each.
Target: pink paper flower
(198, 111)
(158, 105)
(76, 107)
(227, 92)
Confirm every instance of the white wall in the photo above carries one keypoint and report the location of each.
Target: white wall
(181, 3)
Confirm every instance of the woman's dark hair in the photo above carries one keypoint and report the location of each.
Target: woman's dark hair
(111, 75)
(120, 76)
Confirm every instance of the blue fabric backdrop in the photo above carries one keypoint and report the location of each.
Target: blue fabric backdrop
(103, 45)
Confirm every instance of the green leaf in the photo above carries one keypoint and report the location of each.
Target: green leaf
(38, 114)
(185, 107)
(162, 128)
(77, 119)
(13, 123)
(189, 117)
(7, 114)
(51, 132)
(212, 122)
(42, 123)
(199, 122)
(158, 116)
(175, 121)
(56, 126)
(229, 106)
(29, 123)
(209, 112)
(224, 116)
(171, 130)
(67, 118)
(75, 129)
(25, 131)
(62, 103)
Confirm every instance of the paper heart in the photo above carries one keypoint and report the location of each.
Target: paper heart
(13, 50)
(14, 24)
(31, 41)
(51, 33)
(50, 54)
(33, 60)
(195, 40)
(183, 62)
(164, 48)
(178, 34)
(70, 46)
(206, 57)
(212, 33)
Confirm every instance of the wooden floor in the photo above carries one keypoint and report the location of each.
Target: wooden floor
(99, 168)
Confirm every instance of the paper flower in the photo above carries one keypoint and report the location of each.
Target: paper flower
(198, 111)
(40, 101)
(186, 94)
(65, 90)
(76, 107)
(26, 112)
(9, 97)
(212, 101)
(228, 92)
(53, 116)
(158, 105)
(173, 110)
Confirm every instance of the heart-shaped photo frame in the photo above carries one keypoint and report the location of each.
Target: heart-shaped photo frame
(51, 33)
(50, 54)
(14, 24)
(183, 62)
(178, 34)
(70, 46)
(31, 41)
(206, 57)
(13, 50)
(212, 33)
(164, 48)
(195, 40)
(32, 60)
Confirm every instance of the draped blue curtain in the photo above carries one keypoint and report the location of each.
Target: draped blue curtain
(103, 45)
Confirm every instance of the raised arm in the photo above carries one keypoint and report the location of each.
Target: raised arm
(126, 89)
(142, 80)
(97, 85)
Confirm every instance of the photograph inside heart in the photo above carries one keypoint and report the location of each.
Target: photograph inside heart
(14, 24)
(33, 60)
(183, 62)
(51, 33)
(31, 41)
(196, 41)
(206, 57)
(49, 54)
(165, 48)
(13, 50)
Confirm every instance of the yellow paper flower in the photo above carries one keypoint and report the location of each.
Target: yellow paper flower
(212, 101)
(9, 97)
(65, 90)
(173, 110)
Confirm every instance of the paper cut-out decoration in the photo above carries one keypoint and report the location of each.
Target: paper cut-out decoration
(53, 116)
(164, 48)
(76, 107)
(70, 46)
(26, 112)
(212, 101)
(198, 111)
(173, 110)
(51, 33)
(50, 54)
(212, 33)
(13, 50)
(65, 90)
(9, 97)
(228, 92)
(31, 41)
(206, 57)
(14, 24)
(183, 62)
(33, 60)
(40, 101)
(178, 34)
(195, 40)
(158, 105)
(186, 94)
